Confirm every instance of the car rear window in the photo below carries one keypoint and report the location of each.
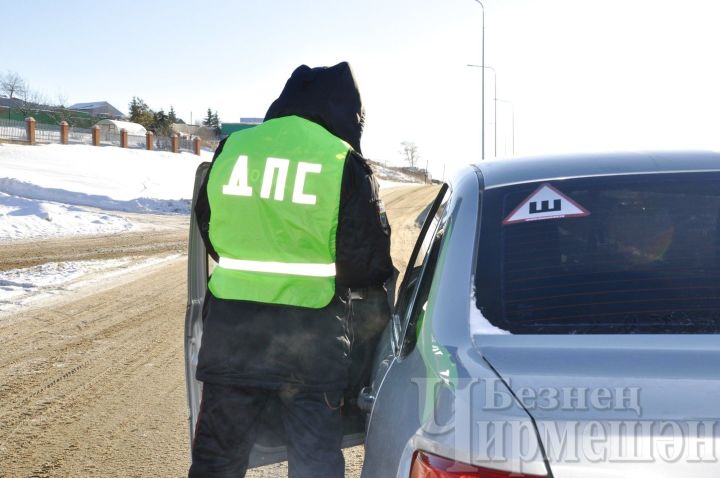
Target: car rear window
(613, 254)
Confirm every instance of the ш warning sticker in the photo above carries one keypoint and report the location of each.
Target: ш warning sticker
(545, 203)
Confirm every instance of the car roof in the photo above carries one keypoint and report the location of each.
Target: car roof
(504, 172)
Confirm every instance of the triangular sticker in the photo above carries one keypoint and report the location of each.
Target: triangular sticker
(545, 203)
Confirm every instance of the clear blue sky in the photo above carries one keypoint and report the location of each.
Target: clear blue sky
(584, 75)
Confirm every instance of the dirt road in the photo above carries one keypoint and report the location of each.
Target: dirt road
(167, 234)
(94, 385)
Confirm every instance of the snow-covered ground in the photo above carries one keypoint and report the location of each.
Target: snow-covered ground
(99, 172)
(391, 176)
(23, 218)
(47, 191)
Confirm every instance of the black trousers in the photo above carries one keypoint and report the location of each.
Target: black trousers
(228, 423)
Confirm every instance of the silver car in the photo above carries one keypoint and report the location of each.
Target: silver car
(558, 318)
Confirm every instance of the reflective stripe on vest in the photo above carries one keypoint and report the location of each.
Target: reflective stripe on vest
(274, 194)
(288, 268)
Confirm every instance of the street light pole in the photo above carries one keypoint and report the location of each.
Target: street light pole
(483, 78)
(512, 112)
(494, 100)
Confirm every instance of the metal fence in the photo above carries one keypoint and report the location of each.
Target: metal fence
(109, 138)
(13, 130)
(80, 136)
(47, 133)
(163, 143)
(186, 144)
(137, 141)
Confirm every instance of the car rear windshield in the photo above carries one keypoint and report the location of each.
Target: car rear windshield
(612, 254)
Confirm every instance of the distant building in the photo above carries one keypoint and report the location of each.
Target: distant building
(227, 129)
(112, 126)
(191, 130)
(101, 109)
(6, 102)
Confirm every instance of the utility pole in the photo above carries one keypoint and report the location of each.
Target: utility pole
(512, 112)
(483, 78)
(495, 100)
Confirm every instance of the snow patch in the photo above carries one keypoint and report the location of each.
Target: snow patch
(24, 218)
(148, 205)
(479, 324)
(20, 288)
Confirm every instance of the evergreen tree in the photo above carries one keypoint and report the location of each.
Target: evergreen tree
(209, 120)
(161, 124)
(171, 115)
(216, 121)
(140, 113)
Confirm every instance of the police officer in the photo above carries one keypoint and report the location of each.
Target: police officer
(291, 214)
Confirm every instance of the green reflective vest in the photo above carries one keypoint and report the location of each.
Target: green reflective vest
(274, 194)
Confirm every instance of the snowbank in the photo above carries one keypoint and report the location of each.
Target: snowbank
(23, 218)
(104, 177)
(45, 191)
(391, 175)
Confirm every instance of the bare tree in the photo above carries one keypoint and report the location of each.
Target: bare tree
(12, 84)
(37, 98)
(30, 100)
(61, 103)
(410, 152)
(61, 100)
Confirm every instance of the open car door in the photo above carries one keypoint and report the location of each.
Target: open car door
(270, 445)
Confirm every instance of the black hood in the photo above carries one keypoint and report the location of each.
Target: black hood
(327, 96)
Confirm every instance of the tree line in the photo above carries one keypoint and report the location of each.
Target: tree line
(15, 86)
(160, 122)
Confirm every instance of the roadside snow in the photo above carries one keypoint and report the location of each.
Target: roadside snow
(105, 177)
(45, 191)
(385, 184)
(391, 174)
(22, 218)
(20, 288)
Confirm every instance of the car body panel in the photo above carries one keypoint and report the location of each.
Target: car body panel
(677, 377)
(647, 381)
(424, 377)
(504, 172)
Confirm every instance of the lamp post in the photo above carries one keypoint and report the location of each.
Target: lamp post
(494, 100)
(483, 77)
(512, 112)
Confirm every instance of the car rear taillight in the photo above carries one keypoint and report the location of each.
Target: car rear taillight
(426, 465)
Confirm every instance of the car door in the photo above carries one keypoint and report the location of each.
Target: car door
(390, 425)
(270, 444)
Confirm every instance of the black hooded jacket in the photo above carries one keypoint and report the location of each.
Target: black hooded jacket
(266, 345)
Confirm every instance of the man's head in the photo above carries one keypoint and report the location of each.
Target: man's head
(327, 96)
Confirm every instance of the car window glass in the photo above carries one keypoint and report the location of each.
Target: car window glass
(419, 274)
(417, 308)
(641, 254)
